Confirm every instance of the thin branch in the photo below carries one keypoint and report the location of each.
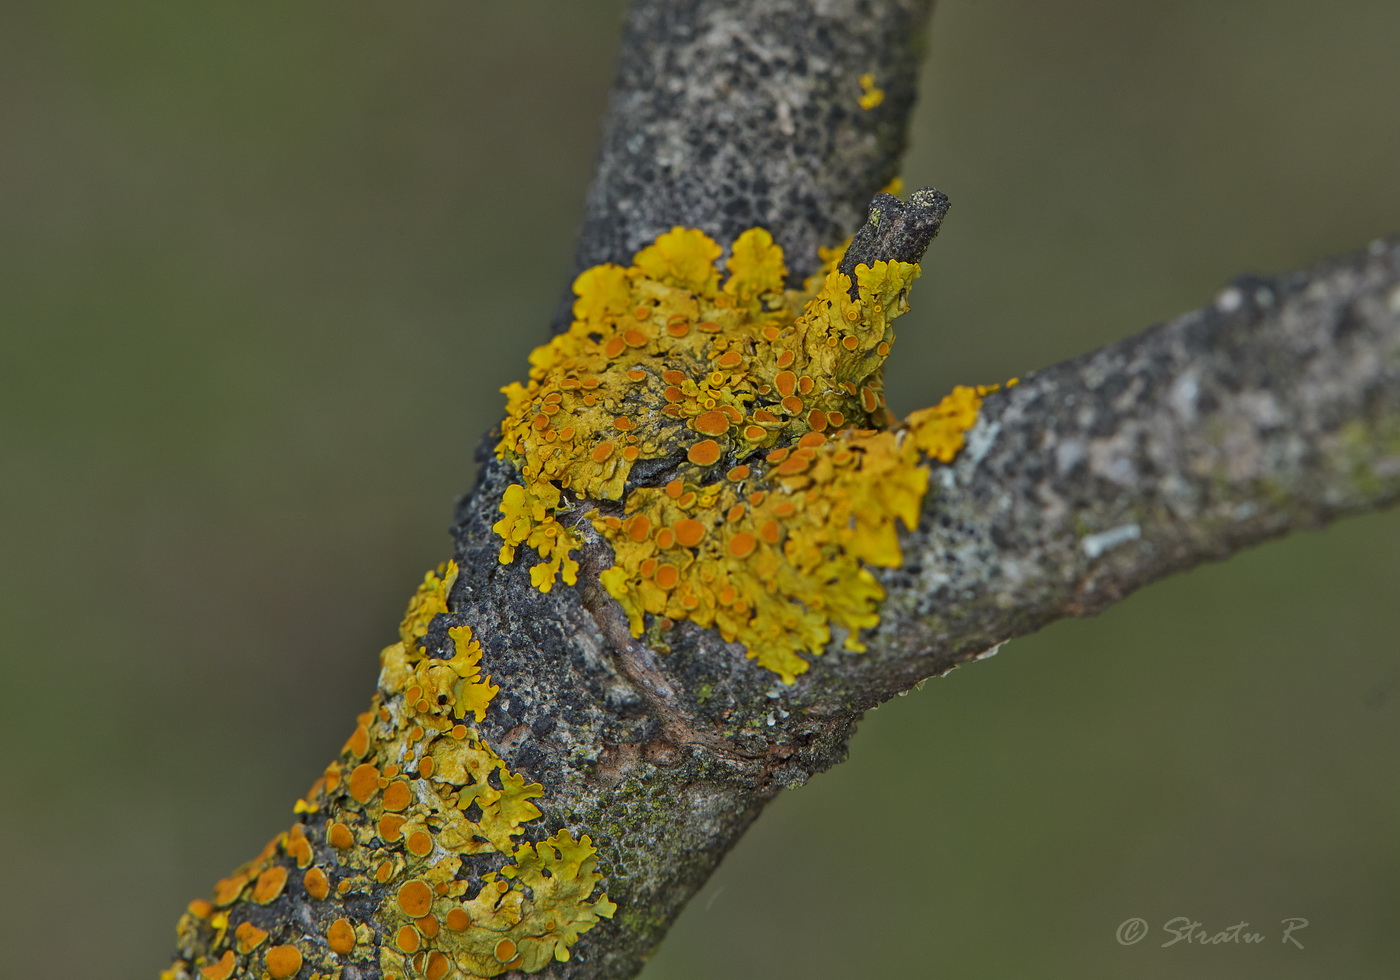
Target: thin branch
(1275, 409)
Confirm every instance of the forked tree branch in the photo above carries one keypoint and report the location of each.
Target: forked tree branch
(1276, 409)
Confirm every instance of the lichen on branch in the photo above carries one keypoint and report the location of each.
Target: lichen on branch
(730, 438)
(405, 857)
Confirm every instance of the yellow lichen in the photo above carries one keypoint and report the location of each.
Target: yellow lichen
(528, 519)
(416, 793)
(756, 267)
(871, 94)
(939, 432)
(683, 257)
(430, 600)
(768, 405)
(283, 962)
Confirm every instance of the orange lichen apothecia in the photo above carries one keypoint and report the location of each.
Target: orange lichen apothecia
(765, 409)
(403, 829)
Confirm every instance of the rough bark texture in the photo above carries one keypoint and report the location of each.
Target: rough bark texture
(731, 114)
(1275, 409)
(664, 759)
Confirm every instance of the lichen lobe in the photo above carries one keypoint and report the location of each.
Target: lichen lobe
(406, 858)
(765, 407)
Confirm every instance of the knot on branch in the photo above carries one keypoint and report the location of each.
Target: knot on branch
(895, 230)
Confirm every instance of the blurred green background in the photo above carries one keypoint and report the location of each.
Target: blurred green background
(270, 263)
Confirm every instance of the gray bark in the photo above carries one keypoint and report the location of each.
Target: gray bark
(1275, 409)
(731, 114)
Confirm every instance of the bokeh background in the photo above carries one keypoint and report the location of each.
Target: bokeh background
(266, 267)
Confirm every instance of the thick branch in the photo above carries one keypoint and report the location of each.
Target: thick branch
(726, 115)
(731, 114)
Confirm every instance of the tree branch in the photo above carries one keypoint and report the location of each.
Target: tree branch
(1277, 408)
(732, 114)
